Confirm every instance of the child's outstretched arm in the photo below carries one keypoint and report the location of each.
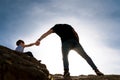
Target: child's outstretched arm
(28, 45)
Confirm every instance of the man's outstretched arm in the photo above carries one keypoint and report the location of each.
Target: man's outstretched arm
(45, 34)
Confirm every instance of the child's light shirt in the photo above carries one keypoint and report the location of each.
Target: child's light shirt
(19, 48)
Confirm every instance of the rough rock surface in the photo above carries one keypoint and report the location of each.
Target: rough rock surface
(19, 66)
(87, 77)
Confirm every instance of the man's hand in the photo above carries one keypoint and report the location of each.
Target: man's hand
(37, 43)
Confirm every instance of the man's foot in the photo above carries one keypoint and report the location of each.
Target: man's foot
(66, 74)
(99, 73)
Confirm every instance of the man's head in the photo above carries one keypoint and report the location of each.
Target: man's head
(62, 25)
(19, 42)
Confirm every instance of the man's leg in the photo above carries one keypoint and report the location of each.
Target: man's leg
(65, 51)
(81, 51)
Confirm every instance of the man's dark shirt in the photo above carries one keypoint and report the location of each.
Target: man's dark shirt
(66, 32)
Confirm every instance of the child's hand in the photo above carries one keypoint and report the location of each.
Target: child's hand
(37, 43)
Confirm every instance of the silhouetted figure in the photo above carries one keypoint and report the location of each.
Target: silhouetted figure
(70, 41)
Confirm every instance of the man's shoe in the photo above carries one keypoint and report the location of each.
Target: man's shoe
(66, 74)
(99, 73)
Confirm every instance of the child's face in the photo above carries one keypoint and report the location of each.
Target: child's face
(22, 44)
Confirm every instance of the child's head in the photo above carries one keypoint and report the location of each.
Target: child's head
(19, 42)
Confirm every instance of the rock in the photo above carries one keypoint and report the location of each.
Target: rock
(18, 66)
(87, 77)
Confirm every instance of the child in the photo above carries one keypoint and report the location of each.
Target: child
(21, 45)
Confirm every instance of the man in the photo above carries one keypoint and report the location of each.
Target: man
(70, 41)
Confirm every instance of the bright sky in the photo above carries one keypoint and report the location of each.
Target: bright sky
(96, 21)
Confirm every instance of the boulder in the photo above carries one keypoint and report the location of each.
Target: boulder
(18, 66)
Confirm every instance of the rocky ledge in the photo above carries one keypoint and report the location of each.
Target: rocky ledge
(86, 77)
(19, 66)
